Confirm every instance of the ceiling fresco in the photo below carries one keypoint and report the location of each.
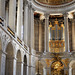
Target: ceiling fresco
(54, 2)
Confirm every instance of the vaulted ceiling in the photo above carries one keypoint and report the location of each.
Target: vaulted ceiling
(54, 2)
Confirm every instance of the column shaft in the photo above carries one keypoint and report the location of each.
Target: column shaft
(29, 27)
(46, 33)
(66, 32)
(19, 17)
(12, 14)
(25, 23)
(30, 30)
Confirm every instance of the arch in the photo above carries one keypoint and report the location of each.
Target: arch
(72, 68)
(25, 65)
(18, 64)
(9, 59)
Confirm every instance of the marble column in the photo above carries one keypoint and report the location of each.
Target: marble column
(73, 34)
(46, 42)
(66, 32)
(30, 30)
(2, 9)
(12, 14)
(25, 23)
(29, 26)
(19, 17)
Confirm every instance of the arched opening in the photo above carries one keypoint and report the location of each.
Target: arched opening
(57, 68)
(72, 68)
(39, 68)
(25, 66)
(9, 60)
(18, 64)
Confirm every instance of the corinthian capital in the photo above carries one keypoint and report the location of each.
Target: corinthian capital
(65, 14)
(46, 16)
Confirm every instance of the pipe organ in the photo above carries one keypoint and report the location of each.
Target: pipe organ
(56, 37)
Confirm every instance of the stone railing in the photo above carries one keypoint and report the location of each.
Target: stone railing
(13, 34)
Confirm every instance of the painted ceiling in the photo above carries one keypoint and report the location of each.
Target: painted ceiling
(54, 2)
